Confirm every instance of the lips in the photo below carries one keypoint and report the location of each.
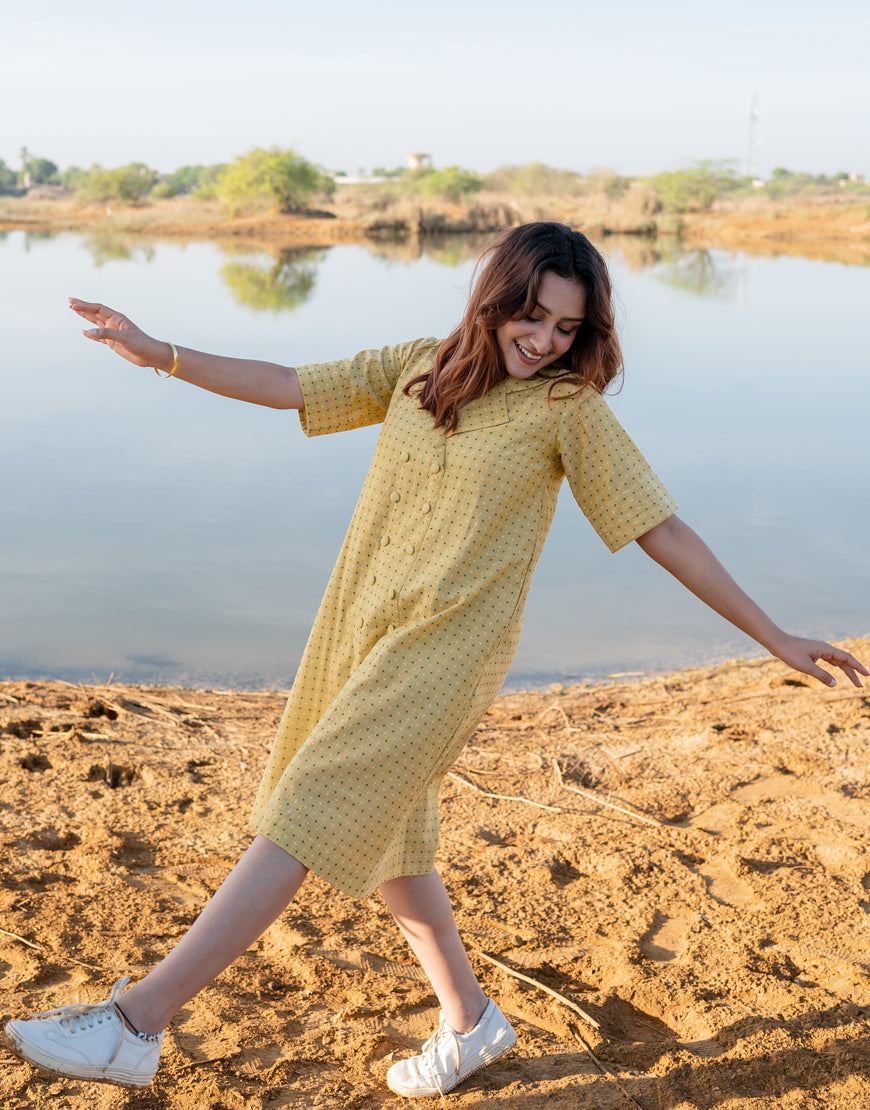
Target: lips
(526, 355)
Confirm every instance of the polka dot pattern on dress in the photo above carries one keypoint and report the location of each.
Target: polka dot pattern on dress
(422, 614)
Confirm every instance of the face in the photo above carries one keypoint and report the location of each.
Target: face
(532, 342)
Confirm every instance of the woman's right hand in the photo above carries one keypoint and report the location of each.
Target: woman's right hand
(122, 335)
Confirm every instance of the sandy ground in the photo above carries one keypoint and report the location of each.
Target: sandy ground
(684, 858)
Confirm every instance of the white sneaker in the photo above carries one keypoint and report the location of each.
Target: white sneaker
(449, 1057)
(87, 1042)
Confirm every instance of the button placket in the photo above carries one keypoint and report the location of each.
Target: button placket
(413, 502)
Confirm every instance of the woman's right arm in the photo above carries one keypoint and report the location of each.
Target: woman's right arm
(261, 383)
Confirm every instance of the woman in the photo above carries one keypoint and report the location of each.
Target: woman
(418, 626)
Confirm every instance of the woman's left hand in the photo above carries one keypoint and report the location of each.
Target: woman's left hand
(804, 655)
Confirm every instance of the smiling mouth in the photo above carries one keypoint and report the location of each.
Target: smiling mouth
(527, 355)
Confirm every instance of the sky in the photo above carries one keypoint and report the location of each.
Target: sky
(632, 86)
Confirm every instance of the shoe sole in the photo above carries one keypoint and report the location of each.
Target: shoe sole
(94, 1075)
(405, 1093)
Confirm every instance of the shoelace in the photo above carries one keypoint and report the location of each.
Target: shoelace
(81, 1016)
(77, 1020)
(429, 1052)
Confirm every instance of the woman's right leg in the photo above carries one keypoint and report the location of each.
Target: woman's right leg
(93, 1042)
(255, 892)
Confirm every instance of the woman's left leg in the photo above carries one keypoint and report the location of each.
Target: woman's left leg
(472, 1032)
(422, 910)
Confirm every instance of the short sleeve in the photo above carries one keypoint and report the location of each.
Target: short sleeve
(612, 482)
(355, 392)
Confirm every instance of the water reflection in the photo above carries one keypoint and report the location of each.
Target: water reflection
(108, 246)
(280, 283)
(447, 250)
(638, 252)
(699, 272)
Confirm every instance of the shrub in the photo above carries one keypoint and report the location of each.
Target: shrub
(128, 184)
(263, 179)
(8, 178)
(696, 188)
(452, 183)
(535, 179)
(187, 179)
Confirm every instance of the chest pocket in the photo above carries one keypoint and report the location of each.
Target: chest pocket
(486, 412)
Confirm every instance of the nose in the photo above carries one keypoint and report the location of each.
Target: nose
(543, 338)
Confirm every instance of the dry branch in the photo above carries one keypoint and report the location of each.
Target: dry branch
(501, 797)
(15, 936)
(42, 948)
(603, 1068)
(602, 802)
(541, 986)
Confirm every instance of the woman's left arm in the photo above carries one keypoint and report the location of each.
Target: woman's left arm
(673, 545)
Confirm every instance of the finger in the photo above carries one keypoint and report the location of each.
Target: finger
(847, 663)
(850, 672)
(96, 313)
(105, 335)
(817, 672)
(856, 663)
(91, 308)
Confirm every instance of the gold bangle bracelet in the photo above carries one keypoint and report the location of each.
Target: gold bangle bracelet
(169, 373)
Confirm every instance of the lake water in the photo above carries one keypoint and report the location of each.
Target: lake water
(167, 535)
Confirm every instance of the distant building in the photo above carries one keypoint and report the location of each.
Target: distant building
(416, 161)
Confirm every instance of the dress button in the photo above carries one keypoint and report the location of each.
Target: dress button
(435, 467)
(405, 456)
(385, 541)
(394, 496)
(391, 628)
(360, 622)
(410, 549)
(425, 507)
(372, 579)
(392, 595)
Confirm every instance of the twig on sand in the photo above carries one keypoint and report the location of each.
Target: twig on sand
(603, 1068)
(15, 936)
(565, 722)
(42, 948)
(541, 986)
(610, 805)
(501, 797)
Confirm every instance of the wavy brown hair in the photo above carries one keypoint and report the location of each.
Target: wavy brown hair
(508, 276)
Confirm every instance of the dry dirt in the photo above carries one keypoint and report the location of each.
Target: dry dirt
(715, 927)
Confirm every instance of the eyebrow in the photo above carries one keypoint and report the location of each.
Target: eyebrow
(574, 319)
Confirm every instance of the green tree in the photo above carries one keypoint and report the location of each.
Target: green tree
(8, 178)
(72, 176)
(451, 183)
(186, 179)
(696, 188)
(128, 184)
(535, 179)
(273, 178)
(384, 171)
(37, 171)
(208, 179)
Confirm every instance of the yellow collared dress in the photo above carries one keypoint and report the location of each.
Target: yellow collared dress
(422, 614)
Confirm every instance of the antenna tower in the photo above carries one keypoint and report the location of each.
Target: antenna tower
(751, 128)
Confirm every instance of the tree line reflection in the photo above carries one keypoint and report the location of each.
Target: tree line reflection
(269, 277)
